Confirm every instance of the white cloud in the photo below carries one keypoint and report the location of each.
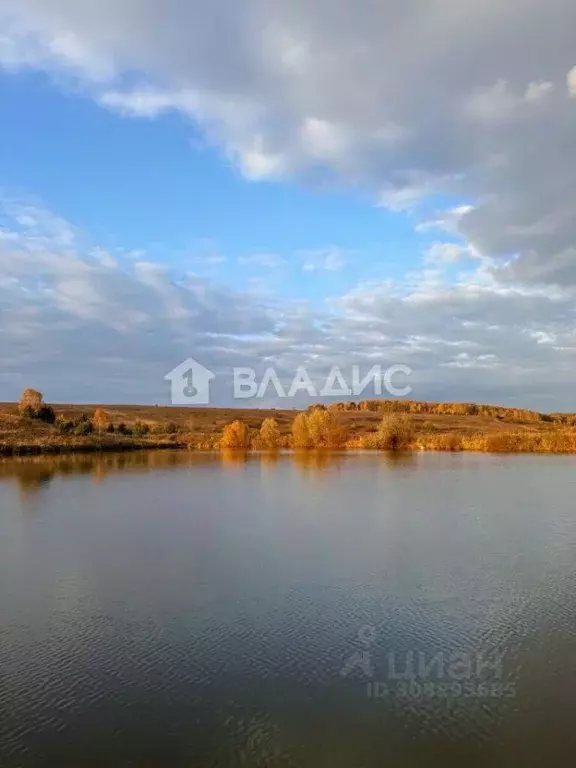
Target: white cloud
(410, 100)
(447, 253)
(323, 259)
(501, 102)
(86, 324)
(538, 90)
(79, 306)
(147, 102)
(571, 81)
(407, 101)
(322, 139)
(267, 260)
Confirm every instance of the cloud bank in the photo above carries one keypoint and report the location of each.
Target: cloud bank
(412, 102)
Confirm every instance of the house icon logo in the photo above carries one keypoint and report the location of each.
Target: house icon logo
(190, 383)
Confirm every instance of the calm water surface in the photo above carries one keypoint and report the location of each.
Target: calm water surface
(357, 611)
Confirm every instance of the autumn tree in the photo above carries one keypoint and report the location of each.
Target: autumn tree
(235, 437)
(395, 432)
(326, 429)
(269, 436)
(301, 432)
(30, 399)
(101, 420)
(32, 406)
(320, 428)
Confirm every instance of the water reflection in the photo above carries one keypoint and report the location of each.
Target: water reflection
(35, 473)
(269, 458)
(402, 460)
(203, 616)
(317, 462)
(32, 479)
(234, 459)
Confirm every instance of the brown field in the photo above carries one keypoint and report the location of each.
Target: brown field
(495, 429)
(195, 426)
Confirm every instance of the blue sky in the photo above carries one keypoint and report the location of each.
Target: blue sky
(283, 185)
(156, 185)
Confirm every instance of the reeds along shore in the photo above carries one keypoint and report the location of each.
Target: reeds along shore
(33, 427)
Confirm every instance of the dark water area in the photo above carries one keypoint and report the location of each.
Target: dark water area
(174, 609)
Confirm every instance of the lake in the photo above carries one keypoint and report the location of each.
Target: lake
(174, 609)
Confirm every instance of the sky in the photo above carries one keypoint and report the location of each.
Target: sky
(288, 184)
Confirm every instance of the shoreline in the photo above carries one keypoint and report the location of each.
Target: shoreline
(61, 448)
(377, 425)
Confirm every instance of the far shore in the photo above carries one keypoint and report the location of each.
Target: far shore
(374, 424)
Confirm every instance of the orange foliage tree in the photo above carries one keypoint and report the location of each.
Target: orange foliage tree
(300, 432)
(101, 420)
(32, 406)
(269, 436)
(318, 429)
(235, 437)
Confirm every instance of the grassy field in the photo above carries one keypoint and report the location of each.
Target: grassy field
(168, 427)
(140, 426)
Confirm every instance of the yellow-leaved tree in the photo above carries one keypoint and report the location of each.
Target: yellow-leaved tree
(269, 435)
(300, 432)
(30, 400)
(101, 420)
(32, 406)
(319, 428)
(395, 433)
(326, 429)
(235, 437)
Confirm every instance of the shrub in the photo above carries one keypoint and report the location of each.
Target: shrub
(30, 401)
(235, 437)
(318, 428)
(64, 426)
(202, 443)
(101, 420)
(46, 414)
(349, 406)
(370, 405)
(446, 442)
(165, 428)
(326, 429)
(32, 406)
(501, 442)
(300, 432)
(122, 429)
(110, 429)
(368, 442)
(83, 427)
(269, 435)
(140, 429)
(315, 419)
(395, 432)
